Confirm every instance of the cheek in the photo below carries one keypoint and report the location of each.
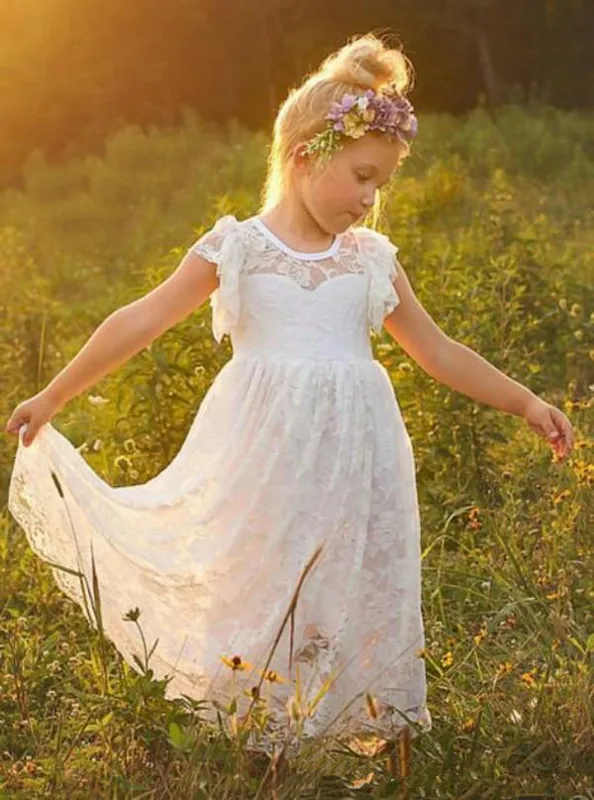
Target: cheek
(324, 191)
(350, 192)
(339, 190)
(335, 190)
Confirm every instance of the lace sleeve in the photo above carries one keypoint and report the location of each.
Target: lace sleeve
(380, 257)
(224, 246)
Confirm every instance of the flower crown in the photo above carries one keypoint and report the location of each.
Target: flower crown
(354, 115)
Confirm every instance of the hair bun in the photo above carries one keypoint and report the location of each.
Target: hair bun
(366, 63)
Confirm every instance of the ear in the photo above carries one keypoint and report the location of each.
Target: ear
(301, 156)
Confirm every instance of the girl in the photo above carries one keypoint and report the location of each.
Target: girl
(298, 449)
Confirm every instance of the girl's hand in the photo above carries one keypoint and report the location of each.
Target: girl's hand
(34, 413)
(550, 423)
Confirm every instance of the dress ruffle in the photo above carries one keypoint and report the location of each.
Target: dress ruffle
(224, 246)
(379, 254)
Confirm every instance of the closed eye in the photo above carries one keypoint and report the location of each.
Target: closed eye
(365, 178)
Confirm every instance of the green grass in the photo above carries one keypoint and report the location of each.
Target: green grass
(493, 218)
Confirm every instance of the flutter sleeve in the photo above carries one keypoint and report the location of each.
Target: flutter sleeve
(224, 246)
(379, 255)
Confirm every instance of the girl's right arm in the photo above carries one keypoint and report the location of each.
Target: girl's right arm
(119, 337)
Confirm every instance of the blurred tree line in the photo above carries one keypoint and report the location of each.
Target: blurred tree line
(71, 72)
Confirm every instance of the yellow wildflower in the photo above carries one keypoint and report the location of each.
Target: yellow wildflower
(448, 659)
(478, 638)
(528, 677)
(236, 663)
(271, 676)
(504, 668)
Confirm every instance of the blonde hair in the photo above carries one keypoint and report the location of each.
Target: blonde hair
(364, 63)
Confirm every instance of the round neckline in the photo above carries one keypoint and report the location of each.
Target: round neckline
(300, 254)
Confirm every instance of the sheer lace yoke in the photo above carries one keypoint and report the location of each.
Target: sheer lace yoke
(308, 270)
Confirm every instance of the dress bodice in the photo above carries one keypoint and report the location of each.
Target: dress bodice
(276, 302)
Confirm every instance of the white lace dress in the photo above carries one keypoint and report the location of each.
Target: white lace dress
(298, 443)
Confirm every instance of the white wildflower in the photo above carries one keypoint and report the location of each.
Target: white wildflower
(97, 399)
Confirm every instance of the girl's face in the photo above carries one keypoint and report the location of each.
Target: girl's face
(343, 191)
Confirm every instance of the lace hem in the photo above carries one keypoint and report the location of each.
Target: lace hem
(366, 737)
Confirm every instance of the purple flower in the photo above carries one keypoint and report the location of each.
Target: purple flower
(342, 107)
(348, 101)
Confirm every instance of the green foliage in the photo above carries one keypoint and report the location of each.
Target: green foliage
(493, 217)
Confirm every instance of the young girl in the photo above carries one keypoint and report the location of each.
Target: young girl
(298, 444)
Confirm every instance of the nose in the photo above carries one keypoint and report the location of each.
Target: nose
(367, 200)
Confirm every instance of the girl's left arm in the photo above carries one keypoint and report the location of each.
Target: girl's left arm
(465, 371)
